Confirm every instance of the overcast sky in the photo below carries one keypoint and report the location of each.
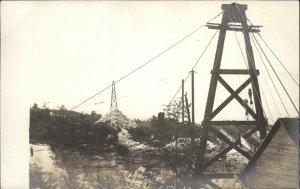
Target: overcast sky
(64, 52)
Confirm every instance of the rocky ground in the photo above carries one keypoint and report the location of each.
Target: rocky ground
(140, 169)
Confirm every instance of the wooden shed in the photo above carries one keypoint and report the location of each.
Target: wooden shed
(276, 162)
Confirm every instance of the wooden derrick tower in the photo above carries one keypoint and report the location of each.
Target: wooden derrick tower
(234, 19)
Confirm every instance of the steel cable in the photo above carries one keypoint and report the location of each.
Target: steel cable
(125, 76)
(194, 65)
(255, 90)
(271, 66)
(149, 61)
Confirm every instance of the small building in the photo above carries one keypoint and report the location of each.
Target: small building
(276, 162)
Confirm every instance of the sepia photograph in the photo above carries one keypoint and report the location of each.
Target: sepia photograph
(149, 94)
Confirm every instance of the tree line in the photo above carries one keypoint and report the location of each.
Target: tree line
(61, 126)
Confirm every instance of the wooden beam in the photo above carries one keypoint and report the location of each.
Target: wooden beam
(237, 29)
(234, 25)
(232, 71)
(249, 133)
(221, 106)
(261, 121)
(193, 109)
(217, 64)
(227, 149)
(228, 141)
(252, 141)
(211, 93)
(221, 154)
(228, 123)
(218, 175)
(182, 101)
(191, 126)
(229, 7)
(237, 97)
(210, 183)
(187, 109)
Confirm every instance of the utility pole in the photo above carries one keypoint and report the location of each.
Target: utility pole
(182, 100)
(189, 122)
(187, 109)
(193, 112)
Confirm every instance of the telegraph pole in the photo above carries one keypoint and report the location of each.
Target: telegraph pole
(182, 100)
(193, 111)
(187, 109)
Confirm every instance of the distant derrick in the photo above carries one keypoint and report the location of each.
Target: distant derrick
(114, 102)
(115, 117)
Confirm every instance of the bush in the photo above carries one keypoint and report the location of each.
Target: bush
(180, 161)
(122, 150)
(141, 134)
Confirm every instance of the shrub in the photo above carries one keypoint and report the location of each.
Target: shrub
(122, 150)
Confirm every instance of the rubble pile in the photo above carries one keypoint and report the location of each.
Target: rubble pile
(139, 178)
(117, 119)
(126, 139)
(185, 142)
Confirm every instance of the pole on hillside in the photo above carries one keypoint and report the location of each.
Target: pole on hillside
(189, 121)
(193, 112)
(187, 108)
(182, 101)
